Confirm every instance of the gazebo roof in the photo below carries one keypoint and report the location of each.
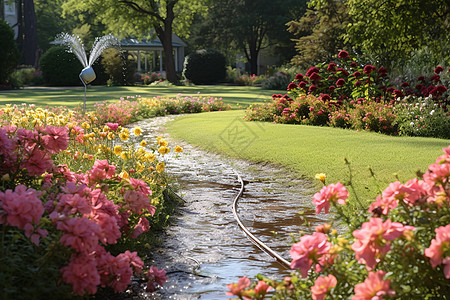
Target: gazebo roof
(134, 44)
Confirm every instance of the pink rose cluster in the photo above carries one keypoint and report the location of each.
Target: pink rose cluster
(30, 149)
(241, 289)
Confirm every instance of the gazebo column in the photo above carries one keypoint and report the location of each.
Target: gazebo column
(138, 61)
(176, 59)
(154, 60)
(145, 62)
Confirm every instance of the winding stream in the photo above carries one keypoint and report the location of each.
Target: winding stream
(204, 249)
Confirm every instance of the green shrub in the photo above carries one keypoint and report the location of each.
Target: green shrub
(119, 66)
(9, 55)
(205, 67)
(28, 76)
(60, 68)
(279, 81)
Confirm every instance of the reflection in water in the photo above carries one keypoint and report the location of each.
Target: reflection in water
(204, 250)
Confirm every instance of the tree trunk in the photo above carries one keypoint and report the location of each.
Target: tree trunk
(30, 40)
(20, 28)
(165, 36)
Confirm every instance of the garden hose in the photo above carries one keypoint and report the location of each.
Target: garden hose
(252, 238)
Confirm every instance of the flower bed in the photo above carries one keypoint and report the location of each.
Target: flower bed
(396, 248)
(347, 95)
(76, 195)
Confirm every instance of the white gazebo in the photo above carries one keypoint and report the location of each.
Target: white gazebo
(151, 50)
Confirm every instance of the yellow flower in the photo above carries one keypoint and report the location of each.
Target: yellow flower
(163, 143)
(123, 155)
(321, 177)
(178, 149)
(143, 143)
(111, 136)
(124, 136)
(124, 175)
(149, 157)
(137, 131)
(85, 125)
(163, 150)
(140, 167)
(160, 167)
(117, 150)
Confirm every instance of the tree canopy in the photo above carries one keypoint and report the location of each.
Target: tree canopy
(142, 17)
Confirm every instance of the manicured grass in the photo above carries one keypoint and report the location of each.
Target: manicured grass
(73, 96)
(309, 150)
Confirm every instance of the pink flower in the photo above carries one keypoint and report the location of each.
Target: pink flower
(101, 170)
(136, 201)
(237, 289)
(57, 138)
(141, 186)
(374, 287)
(79, 233)
(82, 274)
(261, 288)
(331, 193)
(69, 204)
(110, 231)
(155, 275)
(141, 227)
(38, 162)
(113, 126)
(373, 240)
(438, 247)
(21, 208)
(311, 248)
(322, 286)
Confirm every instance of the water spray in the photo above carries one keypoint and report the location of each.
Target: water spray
(75, 45)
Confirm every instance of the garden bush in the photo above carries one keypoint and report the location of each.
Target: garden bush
(205, 67)
(9, 55)
(119, 66)
(397, 248)
(60, 68)
(29, 76)
(279, 81)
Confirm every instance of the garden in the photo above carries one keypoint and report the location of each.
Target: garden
(301, 157)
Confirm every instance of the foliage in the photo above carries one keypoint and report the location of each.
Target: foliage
(119, 66)
(246, 79)
(422, 117)
(320, 31)
(390, 30)
(9, 55)
(60, 67)
(29, 76)
(151, 77)
(70, 230)
(395, 248)
(161, 106)
(205, 67)
(277, 81)
(247, 27)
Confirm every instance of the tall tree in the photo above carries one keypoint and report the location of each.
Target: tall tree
(128, 17)
(248, 25)
(391, 29)
(30, 44)
(320, 31)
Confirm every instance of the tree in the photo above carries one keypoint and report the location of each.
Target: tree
(389, 30)
(137, 17)
(320, 32)
(9, 55)
(247, 25)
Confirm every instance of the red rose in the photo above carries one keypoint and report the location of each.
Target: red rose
(331, 88)
(340, 82)
(357, 74)
(343, 54)
(315, 77)
(438, 69)
(292, 86)
(302, 84)
(358, 83)
(312, 70)
(298, 77)
(353, 64)
(405, 84)
(312, 88)
(421, 78)
(368, 69)
(331, 67)
(325, 97)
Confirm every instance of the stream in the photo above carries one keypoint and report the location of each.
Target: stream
(203, 250)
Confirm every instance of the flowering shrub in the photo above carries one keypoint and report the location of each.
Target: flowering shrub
(161, 106)
(397, 248)
(250, 80)
(151, 77)
(69, 231)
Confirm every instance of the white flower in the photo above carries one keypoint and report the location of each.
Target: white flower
(432, 112)
(412, 123)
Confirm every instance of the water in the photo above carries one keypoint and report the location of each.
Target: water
(204, 250)
(75, 45)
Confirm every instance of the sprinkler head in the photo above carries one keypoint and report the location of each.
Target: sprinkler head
(87, 75)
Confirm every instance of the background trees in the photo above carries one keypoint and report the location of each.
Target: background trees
(139, 17)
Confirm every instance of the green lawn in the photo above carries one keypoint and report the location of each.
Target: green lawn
(309, 150)
(72, 97)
